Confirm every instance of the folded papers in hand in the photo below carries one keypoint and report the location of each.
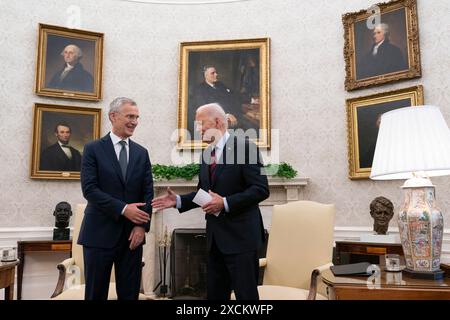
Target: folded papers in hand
(202, 197)
(356, 269)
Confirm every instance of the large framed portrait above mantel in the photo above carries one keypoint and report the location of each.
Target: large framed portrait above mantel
(381, 44)
(232, 73)
(363, 121)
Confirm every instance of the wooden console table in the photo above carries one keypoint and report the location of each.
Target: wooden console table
(388, 286)
(37, 246)
(366, 248)
(7, 273)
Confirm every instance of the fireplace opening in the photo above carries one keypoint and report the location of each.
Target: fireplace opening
(188, 258)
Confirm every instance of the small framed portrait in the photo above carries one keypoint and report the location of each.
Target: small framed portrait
(381, 44)
(59, 136)
(363, 122)
(232, 73)
(69, 63)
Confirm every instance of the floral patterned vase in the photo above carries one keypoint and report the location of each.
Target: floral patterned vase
(421, 226)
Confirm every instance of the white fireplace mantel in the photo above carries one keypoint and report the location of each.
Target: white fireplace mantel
(281, 191)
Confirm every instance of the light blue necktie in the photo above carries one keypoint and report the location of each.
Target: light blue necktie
(123, 159)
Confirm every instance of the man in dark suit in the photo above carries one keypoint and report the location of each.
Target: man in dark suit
(211, 90)
(117, 182)
(72, 76)
(61, 156)
(231, 170)
(384, 57)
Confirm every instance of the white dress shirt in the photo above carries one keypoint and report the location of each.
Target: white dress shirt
(66, 150)
(117, 146)
(375, 49)
(219, 150)
(67, 69)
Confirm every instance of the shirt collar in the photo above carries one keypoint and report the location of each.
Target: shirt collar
(212, 85)
(221, 143)
(377, 45)
(116, 139)
(61, 144)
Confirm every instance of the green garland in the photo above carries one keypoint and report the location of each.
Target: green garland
(188, 172)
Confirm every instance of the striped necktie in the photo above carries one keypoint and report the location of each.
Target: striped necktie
(212, 166)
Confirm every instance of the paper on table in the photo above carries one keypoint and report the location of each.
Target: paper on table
(202, 197)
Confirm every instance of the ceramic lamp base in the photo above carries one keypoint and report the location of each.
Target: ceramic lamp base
(430, 275)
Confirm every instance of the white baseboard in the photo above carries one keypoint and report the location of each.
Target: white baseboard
(10, 236)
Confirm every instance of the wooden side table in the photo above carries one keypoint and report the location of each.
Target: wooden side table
(386, 286)
(366, 248)
(37, 246)
(7, 273)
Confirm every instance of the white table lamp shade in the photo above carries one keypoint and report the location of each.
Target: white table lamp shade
(411, 139)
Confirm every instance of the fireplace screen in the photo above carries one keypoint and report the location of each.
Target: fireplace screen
(188, 257)
(188, 263)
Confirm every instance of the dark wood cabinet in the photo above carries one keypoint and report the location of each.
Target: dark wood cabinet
(7, 273)
(356, 251)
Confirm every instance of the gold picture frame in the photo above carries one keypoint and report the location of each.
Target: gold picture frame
(397, 55)
(241, 87)
(59, 135)
(363, 115)
(69, 63)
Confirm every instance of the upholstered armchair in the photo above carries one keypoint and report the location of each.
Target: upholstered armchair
(70, 285)
(300, 247)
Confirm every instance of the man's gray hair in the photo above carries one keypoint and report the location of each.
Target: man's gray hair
(78, 51)
(214, 110)
(384, 27)
(118, 102)
(207, 66)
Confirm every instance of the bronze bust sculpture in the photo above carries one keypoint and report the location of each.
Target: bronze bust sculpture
(382, 211)
(62, 214)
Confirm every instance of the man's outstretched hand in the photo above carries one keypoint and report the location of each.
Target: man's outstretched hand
(169, 200)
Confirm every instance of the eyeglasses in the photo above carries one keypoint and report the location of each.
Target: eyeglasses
(130, 117)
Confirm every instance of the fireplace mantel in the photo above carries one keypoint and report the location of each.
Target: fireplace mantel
(281, 190)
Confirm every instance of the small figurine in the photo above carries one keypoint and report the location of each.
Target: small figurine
(62, 214)
(382, 211)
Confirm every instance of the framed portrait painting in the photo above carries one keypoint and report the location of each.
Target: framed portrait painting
(59, 136)
(381, 44)
(232, 73)
(69, 63)
(363, 121)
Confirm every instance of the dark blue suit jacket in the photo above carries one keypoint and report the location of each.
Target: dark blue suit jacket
(107, 191)
(238, 178)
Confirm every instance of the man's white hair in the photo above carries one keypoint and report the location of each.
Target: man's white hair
(384, 27)
(214, 110)
(118, 102)
(78, 52)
